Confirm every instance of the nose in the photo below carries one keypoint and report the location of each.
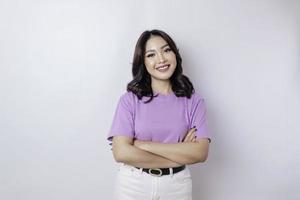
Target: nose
(161, 57)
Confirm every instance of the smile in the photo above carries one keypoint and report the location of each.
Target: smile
(163, 68)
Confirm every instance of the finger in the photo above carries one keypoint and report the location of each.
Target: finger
(189, 137)
(192, 131)
(186, 139)
(194, 139)
(189, 134)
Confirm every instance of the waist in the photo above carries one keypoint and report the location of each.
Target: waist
(162, 171)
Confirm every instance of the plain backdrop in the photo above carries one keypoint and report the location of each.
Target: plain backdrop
(64, 65)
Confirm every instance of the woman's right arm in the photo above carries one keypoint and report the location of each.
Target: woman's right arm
(124, 151)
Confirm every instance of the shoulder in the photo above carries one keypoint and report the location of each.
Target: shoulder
(196, 105)
(196, 97)
(128, 99)
(128, 96)
(195, 101)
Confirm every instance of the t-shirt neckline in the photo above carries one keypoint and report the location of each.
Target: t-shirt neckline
(160, 95)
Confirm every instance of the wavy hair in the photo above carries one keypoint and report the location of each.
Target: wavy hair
(141, 83)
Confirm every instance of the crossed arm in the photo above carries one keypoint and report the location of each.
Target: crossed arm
(159, 155)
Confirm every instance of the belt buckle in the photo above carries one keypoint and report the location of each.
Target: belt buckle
(155, 169)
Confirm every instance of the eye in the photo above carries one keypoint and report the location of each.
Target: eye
(150, 55)
(168, 49)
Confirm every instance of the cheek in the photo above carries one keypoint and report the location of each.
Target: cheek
(172, 57)
(149, 64)
(148, 67)
(174, 61)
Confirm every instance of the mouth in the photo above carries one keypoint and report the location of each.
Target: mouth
(163, 68)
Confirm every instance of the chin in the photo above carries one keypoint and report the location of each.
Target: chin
(163, 77)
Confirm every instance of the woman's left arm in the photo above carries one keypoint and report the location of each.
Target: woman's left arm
(183, 153)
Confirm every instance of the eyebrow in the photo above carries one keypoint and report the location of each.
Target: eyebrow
(160, 48)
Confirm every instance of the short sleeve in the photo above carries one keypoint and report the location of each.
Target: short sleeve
(123, 123)
(198, 117)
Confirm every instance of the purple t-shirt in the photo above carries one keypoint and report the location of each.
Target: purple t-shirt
(166, 119)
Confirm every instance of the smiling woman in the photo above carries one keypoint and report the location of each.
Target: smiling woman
(159, 57)
(159, 126)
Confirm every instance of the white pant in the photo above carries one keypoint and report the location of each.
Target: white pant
(133, 184)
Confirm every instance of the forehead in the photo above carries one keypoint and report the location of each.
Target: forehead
(155, 42)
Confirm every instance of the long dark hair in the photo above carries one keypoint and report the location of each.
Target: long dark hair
(141, 83)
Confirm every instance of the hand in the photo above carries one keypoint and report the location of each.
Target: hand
(190, 135)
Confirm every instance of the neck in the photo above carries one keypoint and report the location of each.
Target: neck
(162, 87)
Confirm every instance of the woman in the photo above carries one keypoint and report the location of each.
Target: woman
(159, 126)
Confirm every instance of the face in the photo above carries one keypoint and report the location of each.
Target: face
(159, 59)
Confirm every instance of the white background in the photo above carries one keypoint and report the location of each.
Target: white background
(64, 65)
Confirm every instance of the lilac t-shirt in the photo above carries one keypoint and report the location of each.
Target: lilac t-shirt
(166, 119)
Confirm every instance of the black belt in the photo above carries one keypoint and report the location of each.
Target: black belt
(162, 171)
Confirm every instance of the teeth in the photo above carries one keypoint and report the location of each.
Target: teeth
(164, 67)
